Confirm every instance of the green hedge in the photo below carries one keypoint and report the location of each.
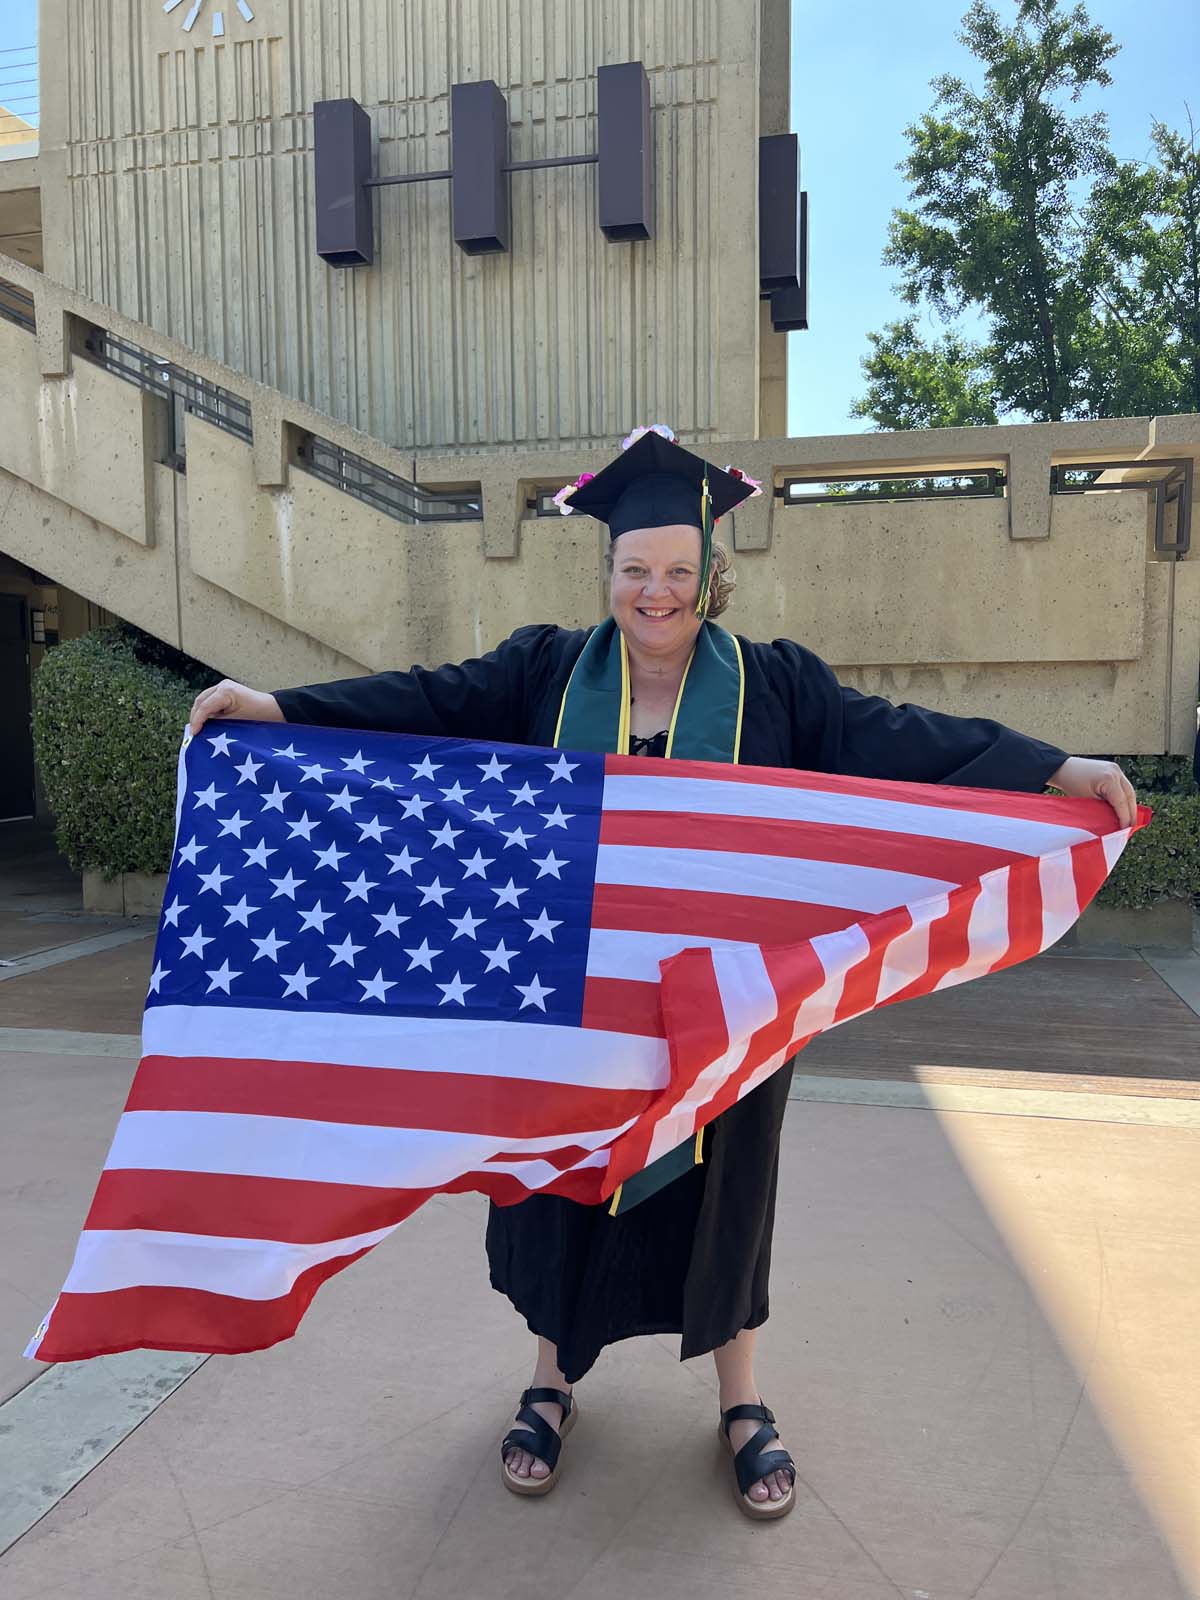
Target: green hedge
(1161, 862)
(106, 728)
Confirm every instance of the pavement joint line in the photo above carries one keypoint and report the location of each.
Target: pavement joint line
(55, 957)
(1068, 1105)
(1180, 971)
(64, 1423)
(64, 1042)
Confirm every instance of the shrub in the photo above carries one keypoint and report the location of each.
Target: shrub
(106, 728)
(1161, 862)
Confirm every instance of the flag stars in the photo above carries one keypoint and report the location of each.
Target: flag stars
(383, 783)
(487, 815)
(549, 864)
(209, 796)
(465, 926)
(376, 988)
(316, 917)
(157, 976)
(297, 982)
(373, 829)
(346, 951)
(301, 829)
(355, 763)
(188, 852)
(542, 927)
(221, 978)
(425, 768)
(330, 857)
(558, 818)
(358, 888)
(270, 946)
(499, 957)
(220, 745)
(233, 825)
(247, 770)
(388, 921)
(343, 800)
(241, 912)
(422, 956)
(416, 807)
(315, 773)
(274, 800)
(524, 796)
(257, 857)
(562, 768)
(193, 944)
(533, 994)
(455, 990)
(404, 862)
(445, 835)
(456, 795)
(477, 866)
(433, 891)
(509, 895)
(516, 836)
(291, 753)
(214, 880)
(493, 768)
(287, 885)
(171, 912)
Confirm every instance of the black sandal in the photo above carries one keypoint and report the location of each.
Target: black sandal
(538, 1438)
(753, 1462)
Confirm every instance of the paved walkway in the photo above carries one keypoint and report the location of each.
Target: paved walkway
(983, 1345)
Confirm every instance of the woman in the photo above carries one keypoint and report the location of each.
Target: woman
(692, 1255)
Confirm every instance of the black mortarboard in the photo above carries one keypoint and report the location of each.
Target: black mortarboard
(655, 483)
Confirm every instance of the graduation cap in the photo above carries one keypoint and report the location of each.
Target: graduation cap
(656, 483)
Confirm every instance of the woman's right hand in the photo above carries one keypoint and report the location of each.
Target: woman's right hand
(230, 699)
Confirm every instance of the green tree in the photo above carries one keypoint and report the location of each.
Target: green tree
(946, 383)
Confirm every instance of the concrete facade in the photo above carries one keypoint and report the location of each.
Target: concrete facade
(1054, 614)
(177, 185)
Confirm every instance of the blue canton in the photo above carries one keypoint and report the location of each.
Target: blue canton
(317, 868)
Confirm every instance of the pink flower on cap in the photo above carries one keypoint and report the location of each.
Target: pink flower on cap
(755, 484)
(568, 489)
(655, 427)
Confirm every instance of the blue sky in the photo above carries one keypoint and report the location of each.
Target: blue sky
(860, 75)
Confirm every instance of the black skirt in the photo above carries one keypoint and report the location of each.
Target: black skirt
(692, 1259)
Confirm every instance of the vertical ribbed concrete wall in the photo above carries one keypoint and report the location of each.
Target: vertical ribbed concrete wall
(186, 201)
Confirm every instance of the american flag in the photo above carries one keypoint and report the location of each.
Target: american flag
(389, 967)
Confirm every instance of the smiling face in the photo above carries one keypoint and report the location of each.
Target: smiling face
(655, 583)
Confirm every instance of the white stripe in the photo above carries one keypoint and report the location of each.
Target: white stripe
(617, 953)
(823, 883)
(1114, 844)
(1060, 899)
(837, 953)
(545, 1052)
(907, 956)
(253, 1269)
(718, 797)
(316, 1152)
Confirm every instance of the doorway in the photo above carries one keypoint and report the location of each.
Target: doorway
(16, 735)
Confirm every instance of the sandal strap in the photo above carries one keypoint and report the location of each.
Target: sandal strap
(759, 1413)
(753, 1462)
(537, 1435)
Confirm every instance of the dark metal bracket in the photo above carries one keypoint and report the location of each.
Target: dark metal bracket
(480, 169)
(1175, 484)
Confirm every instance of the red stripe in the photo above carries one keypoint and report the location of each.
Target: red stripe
(288, 1210)
(952, 860)
(949, 946)
(860, 991)
(1096, 815)
(1089, 868)
(703, 914)
(1024, 900)
(380, 1097)
(622, 1005)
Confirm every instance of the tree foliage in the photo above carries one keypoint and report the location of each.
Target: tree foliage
(1086, 270)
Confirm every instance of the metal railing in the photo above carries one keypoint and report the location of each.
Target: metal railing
(981, 483)
(386, 491)
(1172, 486)
(185, 391)
(17, 306)
(19, 92)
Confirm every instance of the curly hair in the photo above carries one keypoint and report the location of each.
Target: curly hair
(722, 579)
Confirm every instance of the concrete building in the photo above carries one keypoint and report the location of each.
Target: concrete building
(294, 469)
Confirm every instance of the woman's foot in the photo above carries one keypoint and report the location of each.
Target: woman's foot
(523, 1463)
(776, 1485)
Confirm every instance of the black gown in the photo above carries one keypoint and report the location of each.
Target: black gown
(693, 1259)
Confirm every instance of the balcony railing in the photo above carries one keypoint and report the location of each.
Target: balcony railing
(19, 97)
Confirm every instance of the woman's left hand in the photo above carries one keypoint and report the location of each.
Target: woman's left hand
(1085, 779)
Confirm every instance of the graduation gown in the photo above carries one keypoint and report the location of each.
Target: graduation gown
(693, 1259)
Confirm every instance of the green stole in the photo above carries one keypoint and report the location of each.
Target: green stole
(705, 726)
